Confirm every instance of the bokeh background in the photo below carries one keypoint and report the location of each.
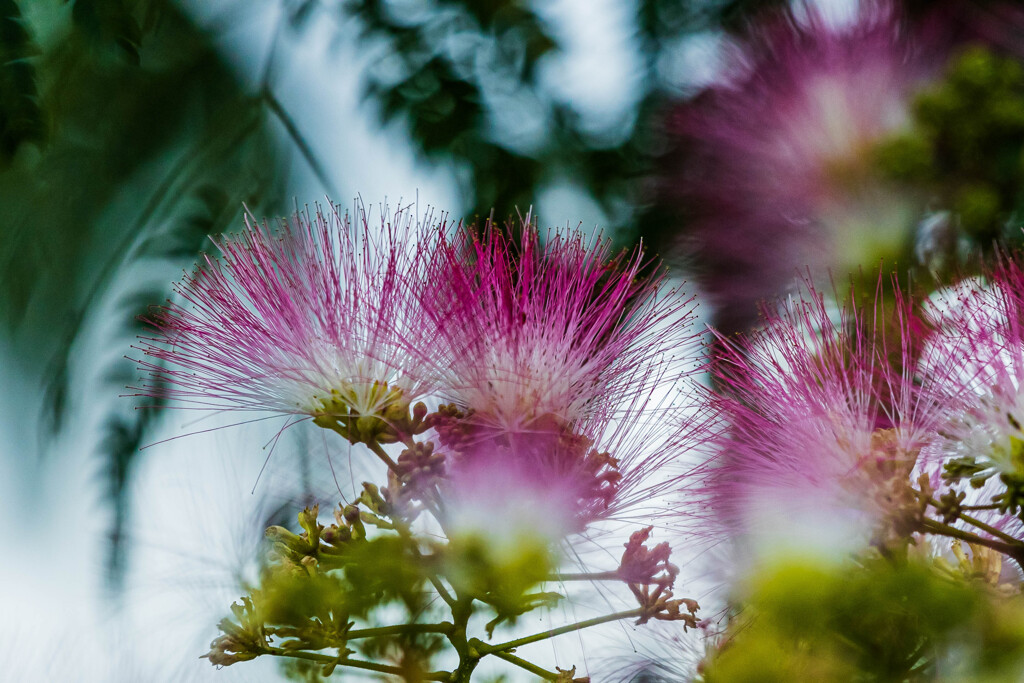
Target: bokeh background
(132, 130)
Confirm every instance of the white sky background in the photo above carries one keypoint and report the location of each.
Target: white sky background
(191, 499)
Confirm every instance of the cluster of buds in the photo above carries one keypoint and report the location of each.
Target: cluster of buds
(419, 469)
(650, 577)
(241, 641)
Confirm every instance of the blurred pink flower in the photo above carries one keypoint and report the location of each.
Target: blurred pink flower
(824, 424)
(319, 318)
(546, 485)
(774, 167)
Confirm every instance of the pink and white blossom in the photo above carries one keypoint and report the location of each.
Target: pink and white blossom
(317, 318)
(533, 329)
(824, 423)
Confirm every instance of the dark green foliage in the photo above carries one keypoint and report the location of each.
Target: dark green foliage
(445, 95)
(109, 21)
(21, 120)
(124, 437)
(440, 65)
(734, 14)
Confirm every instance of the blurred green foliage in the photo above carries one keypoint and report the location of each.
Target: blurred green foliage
(20, 120)
(452, 63)
(880, 622)
(125, 142)
(965, 147)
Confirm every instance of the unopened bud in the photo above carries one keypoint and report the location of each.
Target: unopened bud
(419, 413)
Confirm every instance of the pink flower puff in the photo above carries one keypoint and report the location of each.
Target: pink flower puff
(823, 424)
(774, 167)
(553, 331)
(319, 319)
(561, 363)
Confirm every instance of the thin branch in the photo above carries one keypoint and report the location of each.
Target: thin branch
(435, 581)
(353, 663)
(973, 521)
(523, 664)
(484, 648)
(383, 455)
(953, 532)
(402, 529)
(400, 629)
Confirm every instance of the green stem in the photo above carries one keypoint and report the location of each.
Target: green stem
(435, 580)
(382, 454)
(282, 115)
(484, 648)
(953, 532)
(400, 629)
(469, 655)
(981, 525)
(523, 664)
(991, 530)
(353, 663)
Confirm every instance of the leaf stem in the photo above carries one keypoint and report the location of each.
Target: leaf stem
(282, 115)
(973, 521)
(435, 580)
(383, 455)
(484, 648)
(523, 664)
(991, 530)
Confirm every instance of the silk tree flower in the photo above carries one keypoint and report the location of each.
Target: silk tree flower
(317, 319)
(539, 332)
(560, 361)
(823, 429)
(774, 169)
(519, 501)
(980, 327)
